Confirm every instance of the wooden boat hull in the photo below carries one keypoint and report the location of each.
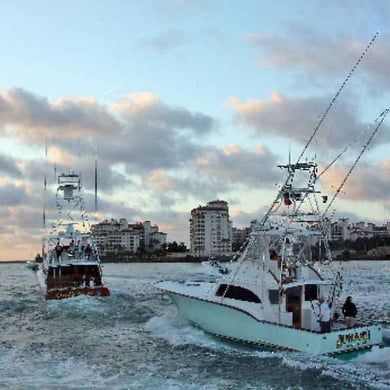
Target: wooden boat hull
(233, 323)
(100, 291)
(69, 292)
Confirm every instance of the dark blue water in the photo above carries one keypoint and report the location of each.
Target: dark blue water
(135, 339)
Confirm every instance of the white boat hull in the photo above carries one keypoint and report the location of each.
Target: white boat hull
(234, 323)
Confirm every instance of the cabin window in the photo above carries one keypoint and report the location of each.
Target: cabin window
(294, 294)
(236, 292)
(311, 292)
(66, 270)
(273, 296)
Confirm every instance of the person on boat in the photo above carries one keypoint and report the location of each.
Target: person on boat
(88, 251)
(79, 249)
(324, 316)
(349, 311)
(71, 248)
(58, 250)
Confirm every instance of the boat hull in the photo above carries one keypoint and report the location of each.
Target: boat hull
(69, 292)
(100, 291)
(233, 323)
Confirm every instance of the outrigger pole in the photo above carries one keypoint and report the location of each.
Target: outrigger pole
(96, 185)
(337, 95)
(44, 201)
(292, 171)
(382, 117)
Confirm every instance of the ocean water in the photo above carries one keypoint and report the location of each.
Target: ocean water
(135, 338)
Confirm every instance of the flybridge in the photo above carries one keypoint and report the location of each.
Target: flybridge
(305, 166)
(68, 183)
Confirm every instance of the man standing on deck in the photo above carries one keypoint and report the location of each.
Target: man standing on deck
(324, 316)
(58, 250)
(349, 311)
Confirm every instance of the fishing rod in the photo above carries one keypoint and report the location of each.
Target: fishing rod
(383, 116)
(44, 202)
(325, 114)
(341, 153)
(96, 186)
(346, 148)
(336, 96)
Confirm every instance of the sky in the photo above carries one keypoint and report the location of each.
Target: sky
(188, 101)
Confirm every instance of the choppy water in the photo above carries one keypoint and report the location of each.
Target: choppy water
(135, 339)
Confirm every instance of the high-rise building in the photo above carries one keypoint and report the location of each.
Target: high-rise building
(211, 230)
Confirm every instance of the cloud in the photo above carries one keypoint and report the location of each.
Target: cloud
(214, 173)
(144, 132)
(8, 165)
(236, 166)
(369, 182)
(306, 50)
(156, 135)
(160, 181)
(11, 194)
(147, 110)
(35, 119)
(295, 118)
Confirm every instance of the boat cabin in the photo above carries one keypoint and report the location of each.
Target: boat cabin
(296, 305)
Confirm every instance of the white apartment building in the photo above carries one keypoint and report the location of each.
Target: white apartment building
(118, 236)
(130, 240)
(211, 230)
(343, 230)
(340, 230)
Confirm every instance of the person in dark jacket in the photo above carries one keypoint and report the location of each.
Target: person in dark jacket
(349, 311)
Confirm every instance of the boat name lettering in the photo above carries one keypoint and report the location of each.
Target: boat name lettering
(71, 294)
(352, 338)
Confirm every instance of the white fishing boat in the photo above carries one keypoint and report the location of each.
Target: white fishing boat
(71, 264)
(272, 297)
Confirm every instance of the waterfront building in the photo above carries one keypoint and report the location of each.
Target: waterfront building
(114, 236)
(344, 230)
(239, 237)
(153, 238)
(211, 230)
(340, 230)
